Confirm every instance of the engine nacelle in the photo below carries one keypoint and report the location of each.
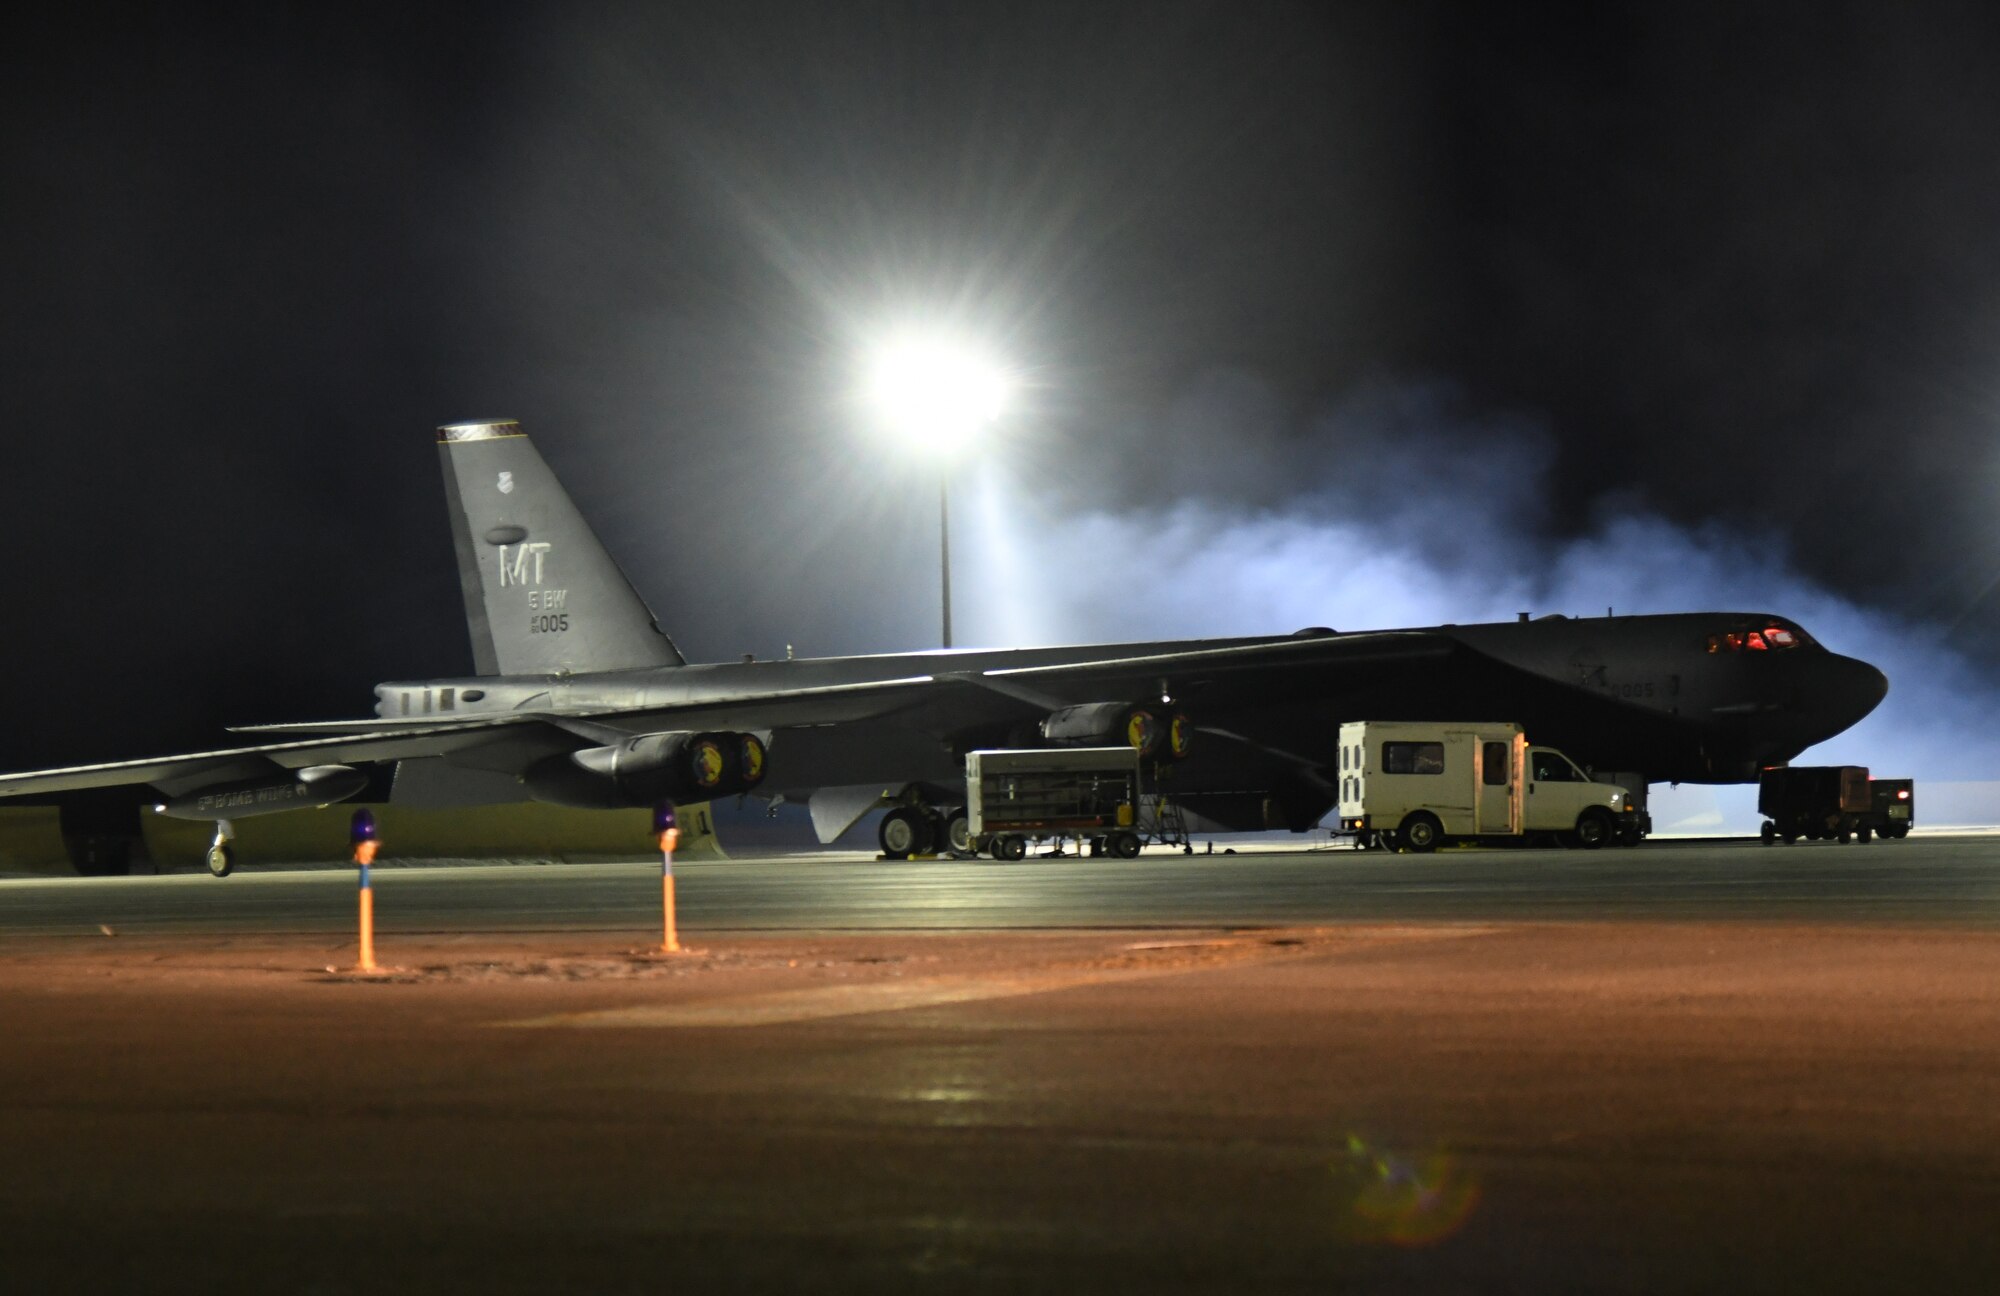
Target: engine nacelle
(650, 768)
(1155, 732)
(315, 785)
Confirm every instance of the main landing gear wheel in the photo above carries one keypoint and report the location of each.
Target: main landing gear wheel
(221, 859)
(1593, 829)
(958, 833)
(1421, 833)
(906, 831)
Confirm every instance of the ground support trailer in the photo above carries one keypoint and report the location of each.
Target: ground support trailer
(1015, 798)
(1417, 785)
(1832, 803)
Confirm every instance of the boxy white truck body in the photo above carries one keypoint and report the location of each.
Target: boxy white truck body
(1417, 784)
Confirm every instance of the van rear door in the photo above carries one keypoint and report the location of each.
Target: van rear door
(1497, 810)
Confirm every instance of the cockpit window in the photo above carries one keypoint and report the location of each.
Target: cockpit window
(1772, 636)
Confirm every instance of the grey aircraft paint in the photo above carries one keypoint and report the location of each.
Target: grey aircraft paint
(576, 681)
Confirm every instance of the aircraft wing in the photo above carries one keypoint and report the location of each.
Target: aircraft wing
(1407, 674)
(173, 774)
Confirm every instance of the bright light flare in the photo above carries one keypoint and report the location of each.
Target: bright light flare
(936, 394)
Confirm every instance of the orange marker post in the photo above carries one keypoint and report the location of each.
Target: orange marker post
(666, 829)
(361, 831)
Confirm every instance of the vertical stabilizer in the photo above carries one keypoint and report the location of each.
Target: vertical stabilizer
(542, 597)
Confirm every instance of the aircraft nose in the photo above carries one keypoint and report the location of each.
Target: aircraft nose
(1851, 688)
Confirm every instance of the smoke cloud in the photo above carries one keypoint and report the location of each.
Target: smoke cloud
(1405, 507)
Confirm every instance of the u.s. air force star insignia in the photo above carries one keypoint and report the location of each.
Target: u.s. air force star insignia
(506, 483)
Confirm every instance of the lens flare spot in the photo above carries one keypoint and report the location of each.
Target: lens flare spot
(1414, 1200)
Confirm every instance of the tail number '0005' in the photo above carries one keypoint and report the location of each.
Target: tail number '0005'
(555, 623)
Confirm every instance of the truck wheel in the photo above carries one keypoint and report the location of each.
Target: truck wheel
(1593, 829)
(1768, 833)
(1630, 836)
(1864, 834)
(905, 832)
(1421, 832)
(1011, 848)
(1124, 845)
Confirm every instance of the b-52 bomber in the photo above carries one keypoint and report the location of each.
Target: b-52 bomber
(580, 699)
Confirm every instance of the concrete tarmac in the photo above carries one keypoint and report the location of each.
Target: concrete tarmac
(1711, 1068)
(1922, 879)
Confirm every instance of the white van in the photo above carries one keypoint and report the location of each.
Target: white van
(1415, 785)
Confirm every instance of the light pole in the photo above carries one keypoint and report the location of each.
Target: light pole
(937, 396)
(944, 551)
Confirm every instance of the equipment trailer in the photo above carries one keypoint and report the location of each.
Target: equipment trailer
(1832, 803)
(1015, 797)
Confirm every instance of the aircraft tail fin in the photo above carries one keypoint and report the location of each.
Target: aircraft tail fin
(542, 597)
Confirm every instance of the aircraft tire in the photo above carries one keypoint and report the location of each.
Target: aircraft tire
(1593, 829)
(1421, 833)
(221, 859)
(1124, 845)
(905, 831)
(957, 833)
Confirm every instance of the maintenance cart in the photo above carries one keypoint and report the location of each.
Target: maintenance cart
(1832, 803)
(1018, 797)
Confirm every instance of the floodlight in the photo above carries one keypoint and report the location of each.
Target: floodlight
(935, 393)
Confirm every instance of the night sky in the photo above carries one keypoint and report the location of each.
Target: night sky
(1359, 315)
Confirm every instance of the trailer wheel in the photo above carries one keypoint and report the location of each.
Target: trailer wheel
(1421, 832)
(1593, 829)
(1124, 845)
(905, 831)
(1011, 849)
(1864, 834)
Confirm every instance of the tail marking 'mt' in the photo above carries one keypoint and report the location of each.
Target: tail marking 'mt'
(542, 597)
